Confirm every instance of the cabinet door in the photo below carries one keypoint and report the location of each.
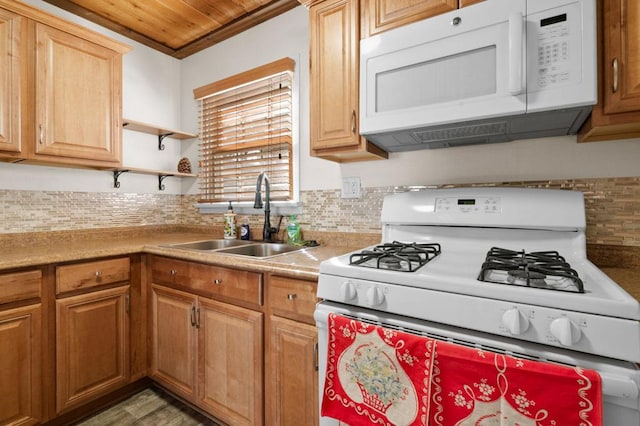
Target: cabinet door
(12, 72)
(334, 74)
(230, 358)
(173, 340)
(92, 345)
(383, 15)
(292, 366)
(622, 56)
(78, 99)
(20, 365)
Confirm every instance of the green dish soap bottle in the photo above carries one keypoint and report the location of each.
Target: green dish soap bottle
(293, 230)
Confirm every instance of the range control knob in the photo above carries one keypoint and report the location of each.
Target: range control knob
(515, 321)
(565, 330)
(375, 296)
(348, 291)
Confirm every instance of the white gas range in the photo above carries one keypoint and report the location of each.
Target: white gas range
(501, 267)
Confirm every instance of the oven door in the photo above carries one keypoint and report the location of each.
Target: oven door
(620, 380)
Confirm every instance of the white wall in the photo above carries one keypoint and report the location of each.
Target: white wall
(159, 89)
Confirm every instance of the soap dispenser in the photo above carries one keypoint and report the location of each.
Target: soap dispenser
(230, 231)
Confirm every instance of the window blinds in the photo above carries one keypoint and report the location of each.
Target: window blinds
(246, 129)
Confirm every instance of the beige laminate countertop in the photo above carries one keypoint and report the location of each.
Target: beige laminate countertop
(60, 248)
(621, 263)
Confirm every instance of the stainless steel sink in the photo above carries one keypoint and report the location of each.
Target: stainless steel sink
(238, 247)
(261, 250)
(208, 245)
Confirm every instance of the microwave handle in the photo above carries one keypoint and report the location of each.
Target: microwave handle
(515, 53)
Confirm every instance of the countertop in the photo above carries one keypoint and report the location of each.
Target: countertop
(20, 250)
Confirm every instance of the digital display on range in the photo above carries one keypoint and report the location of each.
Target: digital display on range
(466, 202)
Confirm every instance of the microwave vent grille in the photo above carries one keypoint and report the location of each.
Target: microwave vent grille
(461, 132)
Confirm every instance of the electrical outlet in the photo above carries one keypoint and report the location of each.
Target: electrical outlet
(351, 187)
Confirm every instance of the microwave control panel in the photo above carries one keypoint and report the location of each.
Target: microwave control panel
(557, 32)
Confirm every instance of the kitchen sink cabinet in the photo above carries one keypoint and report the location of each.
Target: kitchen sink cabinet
(21, 392)
(173, 340)
(333, 89)
(92, 330)
(292, 352)
(207, 337)
(66, 92)
(617, 114)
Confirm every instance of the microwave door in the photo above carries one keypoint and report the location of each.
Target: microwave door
(437, 72)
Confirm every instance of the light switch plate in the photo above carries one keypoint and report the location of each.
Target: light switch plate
(351, 187)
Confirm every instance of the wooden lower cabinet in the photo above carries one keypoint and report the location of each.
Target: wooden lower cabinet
(292, 353)
(230, 357)
(293, 392)
(173, 340)
(20, 366)
(208, 352)
(92, 346)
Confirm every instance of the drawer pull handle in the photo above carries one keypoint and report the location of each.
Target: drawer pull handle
(174, 272)
(98, 274)
(291, 296)
(217, 281)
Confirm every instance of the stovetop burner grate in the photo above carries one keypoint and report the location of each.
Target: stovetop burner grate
(542, 269)
(397, 256)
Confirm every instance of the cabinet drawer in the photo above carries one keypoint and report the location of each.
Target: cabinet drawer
(165, 270)
(214, 281)
(227, 284)
(91, 274)
(20, 286)
(291, 298)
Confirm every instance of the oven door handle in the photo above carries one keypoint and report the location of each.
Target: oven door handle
(620, 390)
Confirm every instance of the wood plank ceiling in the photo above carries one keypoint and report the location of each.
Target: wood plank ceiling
(178, 28)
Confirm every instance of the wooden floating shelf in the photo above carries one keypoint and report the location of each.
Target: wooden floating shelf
(155, 130)
(162, 175)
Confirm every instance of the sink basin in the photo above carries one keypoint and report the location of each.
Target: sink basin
(209, 244)
(261, 250)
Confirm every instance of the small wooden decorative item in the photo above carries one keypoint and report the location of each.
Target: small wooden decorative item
(184, 165)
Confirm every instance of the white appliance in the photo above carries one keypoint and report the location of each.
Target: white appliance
(495, 71)
(504, 269)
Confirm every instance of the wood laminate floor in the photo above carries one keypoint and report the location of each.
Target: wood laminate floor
(152, 407)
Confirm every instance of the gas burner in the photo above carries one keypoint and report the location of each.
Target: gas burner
(542, 269)
(396, 256)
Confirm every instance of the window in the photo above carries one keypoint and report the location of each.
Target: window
(245, 129)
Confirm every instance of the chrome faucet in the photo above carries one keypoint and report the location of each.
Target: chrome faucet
(267, 230)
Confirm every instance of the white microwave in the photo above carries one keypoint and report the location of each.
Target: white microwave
(495, 71)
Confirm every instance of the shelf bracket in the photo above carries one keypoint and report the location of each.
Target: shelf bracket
(161, 138)
(160, 179)
(116, 176)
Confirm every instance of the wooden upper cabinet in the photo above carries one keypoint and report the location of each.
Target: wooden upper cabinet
(12, 56)
(617, 114)
(383, 15)
(78, 98)
(334, 57)
(60, 90)
(622, 56)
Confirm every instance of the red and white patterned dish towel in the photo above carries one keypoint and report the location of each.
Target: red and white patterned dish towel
(379, 376)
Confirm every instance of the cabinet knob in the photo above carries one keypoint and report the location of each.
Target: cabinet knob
(217, 281)
(291, 296)
(98, 274)
(174, 272)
